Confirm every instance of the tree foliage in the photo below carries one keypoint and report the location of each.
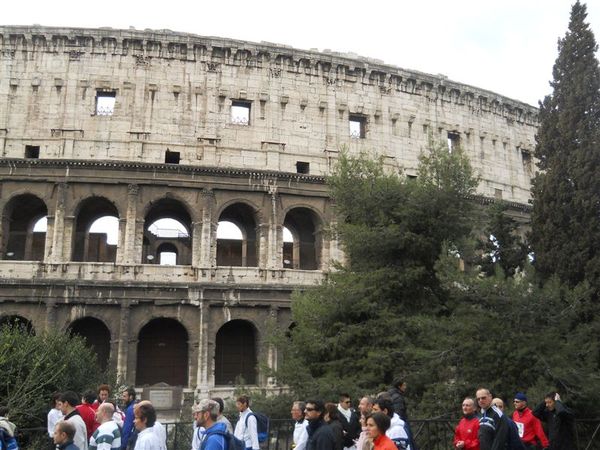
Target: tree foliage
(502, 247)
(402, 303)
(35, 366)
(566, 219)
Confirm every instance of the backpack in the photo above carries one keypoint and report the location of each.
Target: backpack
(7, 442)
(262, 425)
(232, 442)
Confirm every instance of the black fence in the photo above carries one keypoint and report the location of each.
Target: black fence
(429, 434)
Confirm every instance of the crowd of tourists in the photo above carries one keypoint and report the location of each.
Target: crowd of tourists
(95, 422)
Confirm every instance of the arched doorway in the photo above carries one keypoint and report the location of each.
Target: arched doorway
(162, 353)
(16, 321)
(167, 234)
(239, 246)
(96, 231)
(235, 353)
(96, 335)
(25, 231)
(301, 244)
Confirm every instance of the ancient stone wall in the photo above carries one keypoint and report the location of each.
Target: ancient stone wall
(144, 125)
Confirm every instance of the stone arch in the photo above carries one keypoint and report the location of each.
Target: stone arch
(305, 252)
(88, 246)
(97, 336)
(162, 353)
(21, 242)
(244, 252)
(176, 212)
(236, 351)
(18, 321)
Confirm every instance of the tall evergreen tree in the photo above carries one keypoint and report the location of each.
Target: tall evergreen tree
(566, 193)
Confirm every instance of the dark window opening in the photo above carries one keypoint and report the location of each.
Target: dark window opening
(32, 151)
(526, 158)
(302, 167)
(240, 112)
(105, 103)
(172, 157)
(453, 140)
(358, 126)
(96, 336)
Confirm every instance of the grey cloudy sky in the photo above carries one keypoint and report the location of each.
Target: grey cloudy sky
(506, 46)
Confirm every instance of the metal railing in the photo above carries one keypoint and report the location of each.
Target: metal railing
(429, 434)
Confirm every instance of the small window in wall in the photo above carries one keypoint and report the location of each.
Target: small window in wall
(171, 157)
(358, 126)
(526, 158)
(302, 167)
(32, 151)
(453, 140)
(240, 112)
(498, 194)
(105, 103)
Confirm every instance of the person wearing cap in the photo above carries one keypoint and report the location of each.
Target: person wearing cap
(530, 428)
(210, 434)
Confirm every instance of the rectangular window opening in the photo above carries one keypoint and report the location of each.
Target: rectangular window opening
(358, 126)
(32, 151)
(526, 158)
(453, 140)
(302, 167)
(105, 103)
(171, 157)
(240, 112)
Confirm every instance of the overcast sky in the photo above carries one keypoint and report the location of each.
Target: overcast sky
(506, 46)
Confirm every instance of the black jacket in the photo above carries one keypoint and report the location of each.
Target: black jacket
(560, 425)
(399, 403)
(493, 430)
(351, 427)
(338, 433)
(320, 436)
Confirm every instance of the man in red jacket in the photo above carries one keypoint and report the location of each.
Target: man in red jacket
(530, 428)
(87, 413)
(466, 433)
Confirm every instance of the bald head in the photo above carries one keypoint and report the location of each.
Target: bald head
(498, 403)
(105, 412)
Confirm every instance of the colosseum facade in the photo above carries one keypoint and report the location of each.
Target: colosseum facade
(135, 127)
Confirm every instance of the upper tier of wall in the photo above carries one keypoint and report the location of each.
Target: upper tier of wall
(175, 92)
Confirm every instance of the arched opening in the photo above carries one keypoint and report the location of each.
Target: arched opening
(162, 353)
(237, 243)
(19, 322)
(25, 240)
(304, 250)
(167, 234)
(96, 231)
(235, 353)
(96, 335)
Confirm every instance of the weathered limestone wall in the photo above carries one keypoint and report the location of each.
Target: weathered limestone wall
(175, 91)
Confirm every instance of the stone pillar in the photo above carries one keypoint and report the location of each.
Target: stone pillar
(262, 235)
(123, 346)
(197, 244)
(275, 240)
(203, 382)
(59, 235)
(208, 234)
(50, 314)
(126, 253)
(272, 350)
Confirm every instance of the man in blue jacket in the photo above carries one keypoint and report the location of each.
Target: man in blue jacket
(206, 414)
(129, 434)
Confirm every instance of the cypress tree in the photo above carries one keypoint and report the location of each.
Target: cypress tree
(566, 192)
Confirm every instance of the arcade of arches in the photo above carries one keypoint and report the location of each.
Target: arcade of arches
(168, 234)
(163, 349)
